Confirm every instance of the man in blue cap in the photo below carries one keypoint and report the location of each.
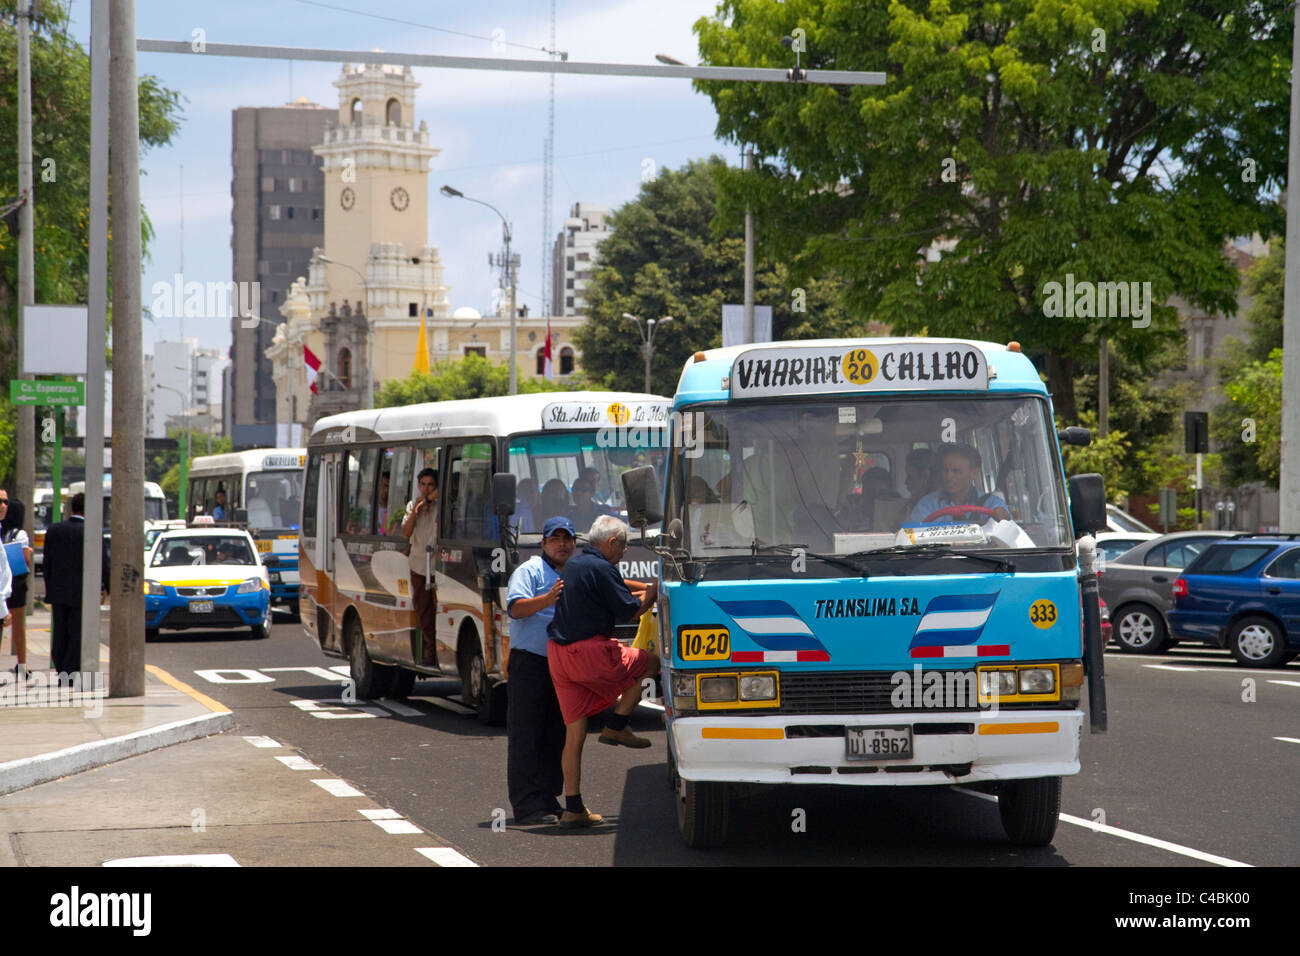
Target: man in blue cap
(533, 720)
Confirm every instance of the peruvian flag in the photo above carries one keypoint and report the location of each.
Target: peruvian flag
(547, 371)
(313, 367)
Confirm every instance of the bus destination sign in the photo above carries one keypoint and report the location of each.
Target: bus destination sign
(871, 367)
(604, 414)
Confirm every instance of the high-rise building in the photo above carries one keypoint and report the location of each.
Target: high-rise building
(575, 256)
(278, 219)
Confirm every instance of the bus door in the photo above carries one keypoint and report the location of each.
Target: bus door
(326, 544)
(467, 533)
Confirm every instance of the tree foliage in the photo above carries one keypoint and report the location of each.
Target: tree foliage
(1114, 140)
(470, 377)
(665, 257)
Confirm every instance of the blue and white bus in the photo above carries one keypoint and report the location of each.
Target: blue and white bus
(263, 492)
(869, 576)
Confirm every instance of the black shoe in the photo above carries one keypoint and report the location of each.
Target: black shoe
(541, 816)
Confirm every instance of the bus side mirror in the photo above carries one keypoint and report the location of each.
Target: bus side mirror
(503, 494)
(641, 491)
(1075, 435)
(1087, 504)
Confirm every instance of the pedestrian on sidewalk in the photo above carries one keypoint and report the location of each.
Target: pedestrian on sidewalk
(592, 670)
(6, 582)
(12, 533)
(534, 723)
(64, 570)
(420, 528)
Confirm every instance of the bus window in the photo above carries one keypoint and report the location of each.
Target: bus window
(470, 491)
(310, 486)
(359, 495)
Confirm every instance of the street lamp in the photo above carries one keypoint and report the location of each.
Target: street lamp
(647, 340)
(370, 330)
(182, 496)
(452, 193)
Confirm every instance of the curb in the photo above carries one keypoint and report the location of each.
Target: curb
(30, 771)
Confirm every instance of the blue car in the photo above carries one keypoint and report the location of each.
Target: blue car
(206, 577)
(1243, 594)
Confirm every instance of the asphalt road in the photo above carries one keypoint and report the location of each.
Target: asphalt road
(1191, 773)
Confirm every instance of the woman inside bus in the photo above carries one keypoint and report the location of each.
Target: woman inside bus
(555, 500)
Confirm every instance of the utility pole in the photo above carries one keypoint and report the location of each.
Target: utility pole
(1103, 389)
(749, 261)
(1289, 486)
(26, 264)
(126, 660)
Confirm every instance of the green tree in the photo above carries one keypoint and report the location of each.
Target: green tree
(665, 257)
(470, 377)
(1114, 141)
(164, 466)
(61, 168)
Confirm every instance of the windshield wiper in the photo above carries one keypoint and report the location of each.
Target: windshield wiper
(936, 551)
(796, 550)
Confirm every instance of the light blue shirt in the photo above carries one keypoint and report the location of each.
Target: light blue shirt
(941, 499)
(532, 578)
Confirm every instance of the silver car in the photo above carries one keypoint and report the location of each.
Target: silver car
(1137, 587)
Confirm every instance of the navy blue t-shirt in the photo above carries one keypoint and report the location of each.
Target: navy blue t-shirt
(594, 599)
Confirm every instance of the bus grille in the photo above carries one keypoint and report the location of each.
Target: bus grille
(868, 692)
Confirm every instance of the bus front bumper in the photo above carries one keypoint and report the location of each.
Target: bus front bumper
(947, 748)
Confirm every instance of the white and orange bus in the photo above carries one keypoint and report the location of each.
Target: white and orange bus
(361, 473)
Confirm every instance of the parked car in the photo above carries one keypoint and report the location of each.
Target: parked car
(1111, 544)
(1137, 587)
(209, 577)
(1242, 594)
(1117, 519)
(1107, 631)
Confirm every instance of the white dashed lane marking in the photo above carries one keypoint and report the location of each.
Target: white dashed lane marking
(444, 856)
(261, 741)
(192, 859)
(390, 821)
(338, 788)
(446, 704)
(295, 762)
(1289, 740)
(1288, 683)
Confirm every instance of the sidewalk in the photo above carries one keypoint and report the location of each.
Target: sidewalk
(47, 733)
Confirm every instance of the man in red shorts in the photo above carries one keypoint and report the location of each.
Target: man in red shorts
(590, 669)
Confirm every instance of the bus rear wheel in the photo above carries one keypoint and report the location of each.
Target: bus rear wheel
(703, 811)
(368, 678)
(1030, 809)
(476, 688)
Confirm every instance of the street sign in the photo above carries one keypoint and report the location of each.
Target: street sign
(36, 392)
(1196, 427)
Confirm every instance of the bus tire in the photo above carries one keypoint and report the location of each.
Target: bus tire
(476, 688)
(1030, 809)
(703, 812)
(369, 679)
(294, 611)
(403, 684)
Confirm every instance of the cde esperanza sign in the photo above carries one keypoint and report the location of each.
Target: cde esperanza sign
(870, 367)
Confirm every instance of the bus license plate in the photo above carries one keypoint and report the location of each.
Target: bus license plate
(263, 546)
(201, 607)
(877, 743)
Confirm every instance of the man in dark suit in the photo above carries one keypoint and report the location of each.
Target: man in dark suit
(64, 544)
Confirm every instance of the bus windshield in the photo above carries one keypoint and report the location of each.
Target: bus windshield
(274, 499)
(574, 474)
(883, 475)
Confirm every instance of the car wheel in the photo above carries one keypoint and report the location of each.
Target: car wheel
(368, 678)
(403, 684)
(1030, 809)
(1139, 629)
(1257, 642)
(260, 632)
(150, 634)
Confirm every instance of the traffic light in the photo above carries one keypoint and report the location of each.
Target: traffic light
(1196, 427)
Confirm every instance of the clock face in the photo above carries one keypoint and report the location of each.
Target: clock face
(347, 198)
(400, 198)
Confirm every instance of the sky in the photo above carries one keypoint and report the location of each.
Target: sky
(490, 126)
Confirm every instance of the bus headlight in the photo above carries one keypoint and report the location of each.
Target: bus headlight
(683, 685)
(1037, 680)
(997, 683)
(250, 586)
(758, 687)
(717, 689)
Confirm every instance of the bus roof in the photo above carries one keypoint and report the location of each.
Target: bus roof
(151, 488)
(706, 376)
(500, 415)
(254, 459)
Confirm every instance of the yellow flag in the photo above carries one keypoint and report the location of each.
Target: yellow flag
(422, 349)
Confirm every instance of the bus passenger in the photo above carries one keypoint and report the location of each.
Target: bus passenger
(555, 498)
(420, 528)
(533, 720)
(219, 511)
(526, 505)
(585, 508)
(590, 669)
(920, 462)
(961, 464)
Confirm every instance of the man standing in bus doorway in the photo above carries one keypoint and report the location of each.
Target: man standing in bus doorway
(533, 720)
(590, 669)
(420, 528)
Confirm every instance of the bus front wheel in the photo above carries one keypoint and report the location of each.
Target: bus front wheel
(369, 679)
(476, 688)
(1030, 809)
(703, 812)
